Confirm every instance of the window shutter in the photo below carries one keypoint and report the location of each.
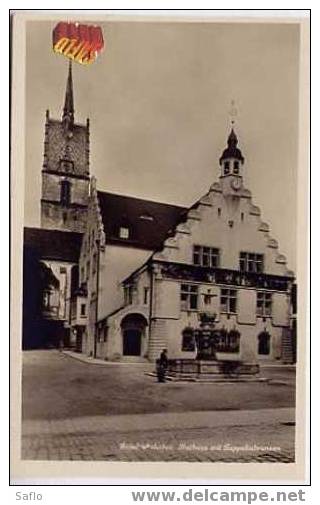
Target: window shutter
(280, 309)
(246, 306)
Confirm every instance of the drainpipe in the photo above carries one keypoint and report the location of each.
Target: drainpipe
(151, 301)
(97, 299)
(70, 325)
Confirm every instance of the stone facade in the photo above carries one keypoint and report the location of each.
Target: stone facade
(65, 171)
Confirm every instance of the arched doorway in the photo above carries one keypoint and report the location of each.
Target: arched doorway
(264, 343)
(133, 328)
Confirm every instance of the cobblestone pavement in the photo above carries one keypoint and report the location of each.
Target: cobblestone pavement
(236, 436)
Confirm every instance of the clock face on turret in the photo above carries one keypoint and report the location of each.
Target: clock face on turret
(236, 183)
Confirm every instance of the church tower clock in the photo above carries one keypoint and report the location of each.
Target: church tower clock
(65, 172)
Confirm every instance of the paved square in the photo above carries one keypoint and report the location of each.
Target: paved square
(78, 411)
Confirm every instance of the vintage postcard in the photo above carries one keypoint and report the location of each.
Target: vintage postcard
(159, 187)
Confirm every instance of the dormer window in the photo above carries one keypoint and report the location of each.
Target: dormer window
(226, 167)
(146, 217)
(124, 232)
(236, 167)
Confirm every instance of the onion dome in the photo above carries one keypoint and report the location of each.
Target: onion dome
(232, 151)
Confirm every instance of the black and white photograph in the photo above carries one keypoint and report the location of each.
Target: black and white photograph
(161, 174)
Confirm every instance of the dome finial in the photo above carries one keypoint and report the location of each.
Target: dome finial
(233, 113)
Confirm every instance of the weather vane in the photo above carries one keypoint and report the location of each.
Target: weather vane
(233, 112)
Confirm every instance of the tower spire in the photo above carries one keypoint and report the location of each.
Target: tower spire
(68, 109)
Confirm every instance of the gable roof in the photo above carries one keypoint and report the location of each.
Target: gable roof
(53, 244)
(148, 222)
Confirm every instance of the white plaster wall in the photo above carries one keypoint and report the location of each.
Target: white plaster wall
(116, 263)
(113, 348)
(210, 229)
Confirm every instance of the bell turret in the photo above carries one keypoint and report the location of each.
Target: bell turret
(231, 160)
(231, 163)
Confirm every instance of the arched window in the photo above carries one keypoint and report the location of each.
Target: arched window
(234, 341)
(264, 343)
(236, 167)
(226, 167)
(65, 192)
(188, 340)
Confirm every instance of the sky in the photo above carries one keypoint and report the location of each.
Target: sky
(158, 98)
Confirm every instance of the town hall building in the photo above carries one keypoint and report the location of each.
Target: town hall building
(121, 278)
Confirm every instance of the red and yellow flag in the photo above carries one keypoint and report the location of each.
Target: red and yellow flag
(81, 43)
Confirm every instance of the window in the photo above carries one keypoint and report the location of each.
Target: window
(251, 262)
(207, 297)
(227, 341)
(219, 212)
(63, 270)
(124, 232)
(88, 269)
(226, 167)
(145, 296)
(242, 216)
(206, 256)
(105, 333)
(188, 340)
(82, 274)
(46, 299)
(236, 167)
(264, 343)
(233, 341)
(83, 309)
(264, 303)
(228, 300)
(65, 191)
(128, 295)
(189, 297)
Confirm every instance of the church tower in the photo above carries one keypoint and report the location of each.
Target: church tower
(65, 172)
